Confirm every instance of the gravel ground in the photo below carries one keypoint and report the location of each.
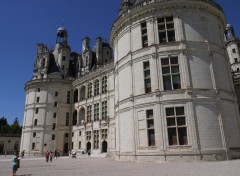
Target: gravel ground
(108, 167)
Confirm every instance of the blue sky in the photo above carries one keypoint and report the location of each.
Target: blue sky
(24, 23)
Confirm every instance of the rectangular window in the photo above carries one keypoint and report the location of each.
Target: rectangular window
(36, 111)
(55, 104)
(144, 34)
(96, 87)
(35, 122)
(67, 118)
(64, 58)
(66, 135)
(88, 135)
(79, 145)
(235, 60)
(176, 125)
(104, 84)
(54, 115)
(33, 146)
(53, 137)
(166, 31)
(171, 73)
(72, 134)
(38, 89)
(38, 98)
(89, 113)
(54, 126)
(56, 94)
(89, 90)
(80, 133)
(68, 97)
(234, 50)
(147, 77)
(95, 139)
(34, 134)
(150, 128)
(104, 110)
(104, 134)
(96, 112)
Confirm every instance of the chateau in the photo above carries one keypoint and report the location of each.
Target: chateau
(161, 90)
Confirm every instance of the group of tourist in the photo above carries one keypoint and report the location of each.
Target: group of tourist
(49, 155)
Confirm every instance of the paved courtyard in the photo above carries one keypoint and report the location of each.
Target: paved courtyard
(108, 167)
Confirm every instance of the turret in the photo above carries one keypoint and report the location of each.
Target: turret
(42, 62)
(62, 35)
(62, 50)
(232, 44)
(85, 44)
(99, 54)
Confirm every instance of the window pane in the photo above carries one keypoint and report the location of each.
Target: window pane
(182, 133)
(162, 37)
(167, 83)
(150, 123)
(170, 26)
(170, 111)
(161, 27)
(160, 20)
(171, 122)
(146, 65)
(175, 69)
(172, 136)
(174, 60)
(144, 31)
(166, 70)
(165, 61)
(180, 111)
(171, 36)
(181, 121)
(149, 114)
(151, 137)
(143, 24)
(147, 73)
(176, 82)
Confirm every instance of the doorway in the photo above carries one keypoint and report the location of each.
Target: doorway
(104, 146)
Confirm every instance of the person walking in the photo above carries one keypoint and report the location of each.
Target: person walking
(47, 156)
(56, 154)
(50, 156)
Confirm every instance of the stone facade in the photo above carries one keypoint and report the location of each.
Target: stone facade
(9, 143)
(167, 94)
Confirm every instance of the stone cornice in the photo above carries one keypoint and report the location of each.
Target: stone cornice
(106, 69)
(37, 82)
(150, 7)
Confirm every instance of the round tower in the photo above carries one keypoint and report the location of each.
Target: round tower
(47, 113)
(174, 97)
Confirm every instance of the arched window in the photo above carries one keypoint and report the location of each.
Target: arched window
(104, 84)
(74, 118)
(82, 115)
(89, 90)
(96, 87)
(82, 93)
(75, 99)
